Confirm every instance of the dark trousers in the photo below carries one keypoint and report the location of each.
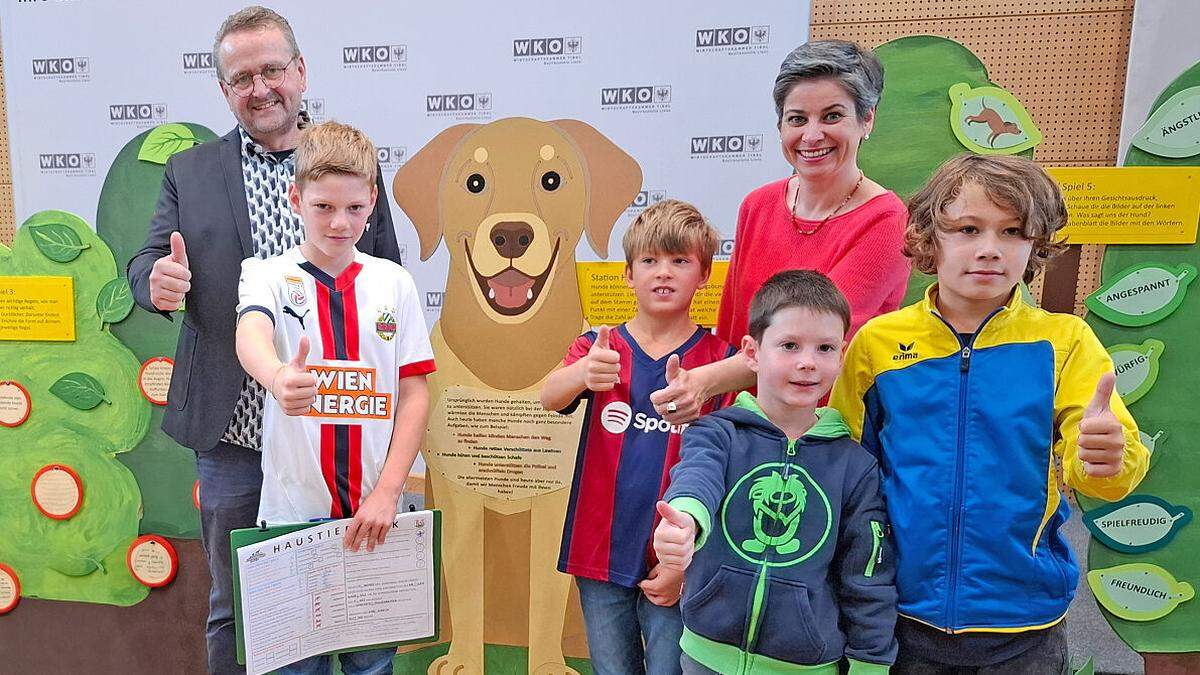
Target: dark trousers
(1048, 657)
(230, 482)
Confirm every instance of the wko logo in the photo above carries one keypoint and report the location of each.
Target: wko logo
(645, 198)
(68, 163)
(315, 107)
(376, 58)
(137, 113)
(617, 417)
(642, 98)
(734, 39)
(737, 148)
(63, 68)
(549, 49)
(433, 299)
(198, 62)
(463, 106)
(390, 156)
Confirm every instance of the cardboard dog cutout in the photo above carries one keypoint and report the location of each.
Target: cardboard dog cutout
(511, 199)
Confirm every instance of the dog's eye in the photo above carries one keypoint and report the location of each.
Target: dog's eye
(475, 183)
(550, 181)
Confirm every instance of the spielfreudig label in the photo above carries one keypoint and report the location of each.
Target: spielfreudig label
(1142, 295)
(1136, 367)
(1137, 524)
(1138, 591)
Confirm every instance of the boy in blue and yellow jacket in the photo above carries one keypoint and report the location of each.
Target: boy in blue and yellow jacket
(781, 509)
(967, 398)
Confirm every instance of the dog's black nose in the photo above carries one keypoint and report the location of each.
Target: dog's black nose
(511, 239)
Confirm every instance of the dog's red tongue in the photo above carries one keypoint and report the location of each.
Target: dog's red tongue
(510, 288)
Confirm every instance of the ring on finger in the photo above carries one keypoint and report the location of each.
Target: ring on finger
(671, 407)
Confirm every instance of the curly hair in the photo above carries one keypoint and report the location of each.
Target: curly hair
(1012, 183)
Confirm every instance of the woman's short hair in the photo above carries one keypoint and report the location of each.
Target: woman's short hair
(857, 70)
(1013, 183)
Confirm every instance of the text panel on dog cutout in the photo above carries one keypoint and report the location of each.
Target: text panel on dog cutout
(502, 444)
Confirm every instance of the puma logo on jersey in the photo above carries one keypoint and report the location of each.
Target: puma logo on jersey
(292, 313)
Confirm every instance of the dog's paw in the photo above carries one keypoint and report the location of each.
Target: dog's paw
(554, 669)
(451, 664)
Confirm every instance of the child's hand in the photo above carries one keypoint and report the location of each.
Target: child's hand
(662, 585)
(1101, 436)
(674, 538)
(294, 387)
(372, 522)
(681, 400)
(603, 370)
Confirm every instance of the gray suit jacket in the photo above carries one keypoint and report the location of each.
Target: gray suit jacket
(203, 198)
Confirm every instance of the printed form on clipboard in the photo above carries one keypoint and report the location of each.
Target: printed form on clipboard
(302, 593)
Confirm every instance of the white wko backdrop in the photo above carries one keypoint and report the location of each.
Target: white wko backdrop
(683, 87)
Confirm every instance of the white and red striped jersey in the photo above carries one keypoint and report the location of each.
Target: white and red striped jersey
(366, 332)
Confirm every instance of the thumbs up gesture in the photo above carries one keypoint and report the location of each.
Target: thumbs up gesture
(1101, 436)
(680, 401)
(294, 387)
(170, 278)
(603, 370)
(674, 538)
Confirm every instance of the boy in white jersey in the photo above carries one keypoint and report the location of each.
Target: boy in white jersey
(351, 414)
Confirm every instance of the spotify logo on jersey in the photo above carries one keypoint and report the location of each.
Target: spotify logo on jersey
(615, 417)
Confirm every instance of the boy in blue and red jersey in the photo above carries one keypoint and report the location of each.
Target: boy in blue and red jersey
(630, 603)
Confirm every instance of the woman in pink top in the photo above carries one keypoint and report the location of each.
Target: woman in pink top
(826, 216)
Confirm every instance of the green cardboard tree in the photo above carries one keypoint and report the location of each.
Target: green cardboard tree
(1166, 413)
(165, 470)
(913, 132)
(86, 409)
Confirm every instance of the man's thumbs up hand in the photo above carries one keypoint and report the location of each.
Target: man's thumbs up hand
(1101, 436)
(170, 278)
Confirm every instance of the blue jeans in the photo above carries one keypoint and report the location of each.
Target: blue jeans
(617, 619)
(369, 662)
(230, 482)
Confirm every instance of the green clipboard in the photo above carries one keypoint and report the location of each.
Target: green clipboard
(253, 535)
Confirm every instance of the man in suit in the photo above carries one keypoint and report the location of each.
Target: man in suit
(222, 202)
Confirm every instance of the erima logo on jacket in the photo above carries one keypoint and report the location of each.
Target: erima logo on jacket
(907, 353)
(617, 417)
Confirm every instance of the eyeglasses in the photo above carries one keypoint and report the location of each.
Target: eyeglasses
(272, 76)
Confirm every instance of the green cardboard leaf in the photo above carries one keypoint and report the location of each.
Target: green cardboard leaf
(991, 121)
(115, 301)
(57, 241)
(1138, 591)
(166, 140)
(1137, 524)
(1153, 444)
(1136, 367)
(1142, 294)
(1088, 668)
(79, 390)
(1174, 128)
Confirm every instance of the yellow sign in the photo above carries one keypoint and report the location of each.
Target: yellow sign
(37, 309)
(1130, 204)
(608, 301)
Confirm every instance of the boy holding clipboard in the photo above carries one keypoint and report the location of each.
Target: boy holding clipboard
(351, 414)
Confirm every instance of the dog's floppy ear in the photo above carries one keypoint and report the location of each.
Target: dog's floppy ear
(418, 182)
(614, 179)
